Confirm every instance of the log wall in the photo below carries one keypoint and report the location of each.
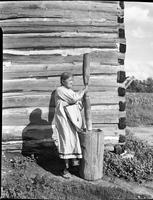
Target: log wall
(42, 39)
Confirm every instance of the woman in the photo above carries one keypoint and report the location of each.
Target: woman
(68, 140)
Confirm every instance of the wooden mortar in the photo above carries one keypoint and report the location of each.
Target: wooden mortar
(92, 141)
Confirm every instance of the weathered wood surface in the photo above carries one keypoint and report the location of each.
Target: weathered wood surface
(64, 35)
(43, 42)
(48, 25)
(97, 83)
(58, 56)
(33, 33)
(12, 71)
(12, 137)
(114, 2)
(36, 99)
(16, 146)
(92, 145)
(59, 9)
(100, 114)
(14, 133)
(32, 146)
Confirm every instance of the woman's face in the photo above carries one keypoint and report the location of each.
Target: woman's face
(68, 83)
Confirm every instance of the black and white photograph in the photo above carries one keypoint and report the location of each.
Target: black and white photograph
(77, 99)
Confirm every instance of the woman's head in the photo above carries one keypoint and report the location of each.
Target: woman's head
(67, 79)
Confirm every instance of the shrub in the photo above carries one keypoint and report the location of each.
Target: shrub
(139, 168)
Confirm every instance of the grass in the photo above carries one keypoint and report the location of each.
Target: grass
(139, 109)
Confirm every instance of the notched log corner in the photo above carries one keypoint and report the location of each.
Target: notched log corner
(122, 123)
(121, 3)
(121, 33)
(120, 20)
(121, 76)
(122, 106)
(121, 61)
(122, 48)
(121, 91)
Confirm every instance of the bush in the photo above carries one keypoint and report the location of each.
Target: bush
(139, 168)
(141, 86)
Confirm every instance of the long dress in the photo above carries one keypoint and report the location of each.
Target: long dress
(68, 140)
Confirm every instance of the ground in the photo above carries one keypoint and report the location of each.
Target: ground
(60, 188)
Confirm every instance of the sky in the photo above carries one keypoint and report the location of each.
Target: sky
(138, 18)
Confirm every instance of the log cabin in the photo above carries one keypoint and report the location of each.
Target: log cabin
(42, 39)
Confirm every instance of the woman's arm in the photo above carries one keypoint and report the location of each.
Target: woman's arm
(70, 96)
(79, 95)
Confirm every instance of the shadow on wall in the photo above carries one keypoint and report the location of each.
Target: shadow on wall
(37, 139)
(37, 135)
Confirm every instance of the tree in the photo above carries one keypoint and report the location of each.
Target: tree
(141, 85)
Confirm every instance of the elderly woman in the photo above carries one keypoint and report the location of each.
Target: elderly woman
(68, 140)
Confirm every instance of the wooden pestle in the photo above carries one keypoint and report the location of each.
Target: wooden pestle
(86, 98)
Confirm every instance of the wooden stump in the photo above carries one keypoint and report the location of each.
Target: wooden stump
(92, 144)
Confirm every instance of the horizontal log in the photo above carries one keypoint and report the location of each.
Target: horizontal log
(107, 116)
(14, 133)
(46, 42)
(39, 146)
(113, 2)
(97, 83)
(60, 56)
(94, 52)
(31, 99)
(121, 56)
(100, 114)
(32, 141)
(31, 146)
(13, 142)
(58, 9)
(109, 129)
(49, 25)
(110, 140)
(65, 35)
(12, 71)
(90, 5)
